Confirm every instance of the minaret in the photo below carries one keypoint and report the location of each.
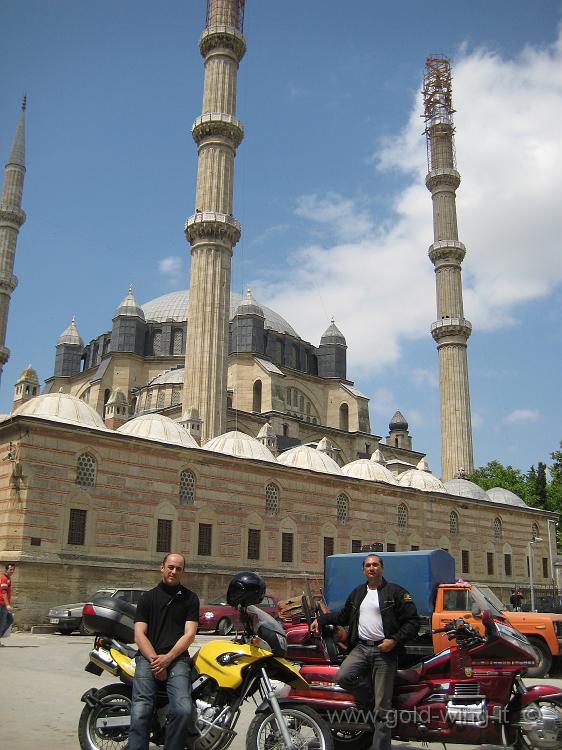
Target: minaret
(213, 231)
(451, 329)
(11, 219)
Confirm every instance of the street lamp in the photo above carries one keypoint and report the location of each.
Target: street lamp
(555, 524)
(532, 570)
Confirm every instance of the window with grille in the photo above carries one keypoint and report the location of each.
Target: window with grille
(415, 547)
(454, 523)
(187, 487)
(328, 545)
(490, 563)
(272, 499)
(535, 531)
(86, 470)
(157, 343)
(164, 535)
(205, 538)
(254, 544)
(507, 564)
(77, 526)
(497, 525)
(160, 398)
(342, 508)
(286, 547)
(176, 396)
(465, 561)
(402, 516)
(177, 342)
(545, 567)
(356, 545)
(390, 547)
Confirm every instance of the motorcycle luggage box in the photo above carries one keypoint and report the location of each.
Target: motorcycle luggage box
(110, 617)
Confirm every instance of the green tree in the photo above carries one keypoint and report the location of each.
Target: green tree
(554, 487)
(495, 474)
(541, 485)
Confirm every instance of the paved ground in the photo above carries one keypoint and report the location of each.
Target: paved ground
(42, 678)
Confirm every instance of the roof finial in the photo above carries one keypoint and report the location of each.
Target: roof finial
(24, 103)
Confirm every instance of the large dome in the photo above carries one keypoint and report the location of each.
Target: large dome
(305, 457)
(364, 468)
(501, 495)
(158, 427)
(173, 307)
(61, 407)
(239, 444)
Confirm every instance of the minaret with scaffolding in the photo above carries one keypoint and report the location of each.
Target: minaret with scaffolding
(213, 231)
(11, 219)
(451, 330)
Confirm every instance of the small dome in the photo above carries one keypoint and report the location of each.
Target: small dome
(129, 307)
(305, 457)
(398, 423)
(28, 375)
(464, 488)
(332, 335)
(169, 377)
(421, 478)
(70, 335)
(239, 444)
(500, 495)
(249, 306)
(61, 407)
(378, 457)
(365, 468)
(158, 427)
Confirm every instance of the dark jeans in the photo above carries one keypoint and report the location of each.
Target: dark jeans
(369, 675)
(6, 619)
(180, 724)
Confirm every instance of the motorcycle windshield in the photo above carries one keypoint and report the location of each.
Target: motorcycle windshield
(268, 630)
(482, 601)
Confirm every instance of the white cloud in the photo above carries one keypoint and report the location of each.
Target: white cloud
(172, 268)
(424, 378)
(378, 282)
(522, 415)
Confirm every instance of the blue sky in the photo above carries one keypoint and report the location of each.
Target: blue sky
(329, 187)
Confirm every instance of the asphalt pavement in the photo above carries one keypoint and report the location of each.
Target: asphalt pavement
(42, 678)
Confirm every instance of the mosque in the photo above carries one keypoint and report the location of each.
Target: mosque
(202, 421)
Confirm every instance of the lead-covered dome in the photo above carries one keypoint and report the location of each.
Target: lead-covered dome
(306, 457)
(61, 407)
(129, 307)
(501, 495)
(421, 478)
(398, 422)
(464, 488)
(373, 471)
(160, 428)
(173, 307)
(332, 335)
(70, 335)
(239, 444)
(249, 306)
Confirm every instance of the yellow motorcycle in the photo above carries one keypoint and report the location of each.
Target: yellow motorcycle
(226, 673)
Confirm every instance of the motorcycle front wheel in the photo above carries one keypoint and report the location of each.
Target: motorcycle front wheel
(114, 703)
(307, 730)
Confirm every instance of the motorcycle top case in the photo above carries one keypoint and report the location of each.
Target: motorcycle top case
(419, 572)
(111, 617)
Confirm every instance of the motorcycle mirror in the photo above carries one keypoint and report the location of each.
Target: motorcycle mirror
(476, 611)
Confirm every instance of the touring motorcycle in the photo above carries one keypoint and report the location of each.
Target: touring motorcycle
(472, 692)
(225, 674)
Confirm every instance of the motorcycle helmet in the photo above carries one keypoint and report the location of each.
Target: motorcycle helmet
(245, 588)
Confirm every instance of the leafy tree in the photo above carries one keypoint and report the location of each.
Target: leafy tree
(495, 474)
(541, 485)
(554, 487)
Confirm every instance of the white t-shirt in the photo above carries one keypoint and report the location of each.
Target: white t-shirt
(370, 620)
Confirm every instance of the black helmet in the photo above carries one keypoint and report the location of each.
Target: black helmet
(245, 588)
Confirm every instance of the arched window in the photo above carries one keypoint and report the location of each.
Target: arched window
(535, 531)
(402, 516)
(344, 417)
(106, 395)
(272, 499)
(187, 487)
(497, 526)
(454, 522)
(256, 398)
(86, 467)
(342, 508)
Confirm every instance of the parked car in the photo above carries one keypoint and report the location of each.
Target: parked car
(68, 617)
(219, 616)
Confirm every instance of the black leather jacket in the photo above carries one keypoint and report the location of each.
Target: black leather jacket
(399, 615)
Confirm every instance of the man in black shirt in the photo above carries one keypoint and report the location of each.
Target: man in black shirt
(165, 626)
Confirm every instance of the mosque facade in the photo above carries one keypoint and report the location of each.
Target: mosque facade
(261, 456)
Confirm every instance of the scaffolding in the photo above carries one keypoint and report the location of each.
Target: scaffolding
(438, 109)
(225, 13)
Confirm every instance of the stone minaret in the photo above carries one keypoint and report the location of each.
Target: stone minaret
(212, 231)
(451, 329)
(11, 219)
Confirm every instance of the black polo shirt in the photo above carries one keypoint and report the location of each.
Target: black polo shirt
(166, 609)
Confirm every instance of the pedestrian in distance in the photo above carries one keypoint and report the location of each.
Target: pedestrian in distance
(165, 626)
(515, 599)
(6, 612)
(381, 617)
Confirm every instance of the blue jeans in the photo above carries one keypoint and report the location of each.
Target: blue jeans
(180, 723)
(6, 619)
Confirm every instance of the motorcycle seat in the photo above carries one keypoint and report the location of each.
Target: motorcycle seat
(410, 676)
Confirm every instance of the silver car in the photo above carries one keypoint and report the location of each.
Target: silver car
(68, 617)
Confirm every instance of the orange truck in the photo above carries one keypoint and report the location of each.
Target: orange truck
(429, 576)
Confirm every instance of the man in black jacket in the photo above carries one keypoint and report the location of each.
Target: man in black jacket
(381, 617)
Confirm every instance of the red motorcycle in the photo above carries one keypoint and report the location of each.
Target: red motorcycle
(472, 692)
